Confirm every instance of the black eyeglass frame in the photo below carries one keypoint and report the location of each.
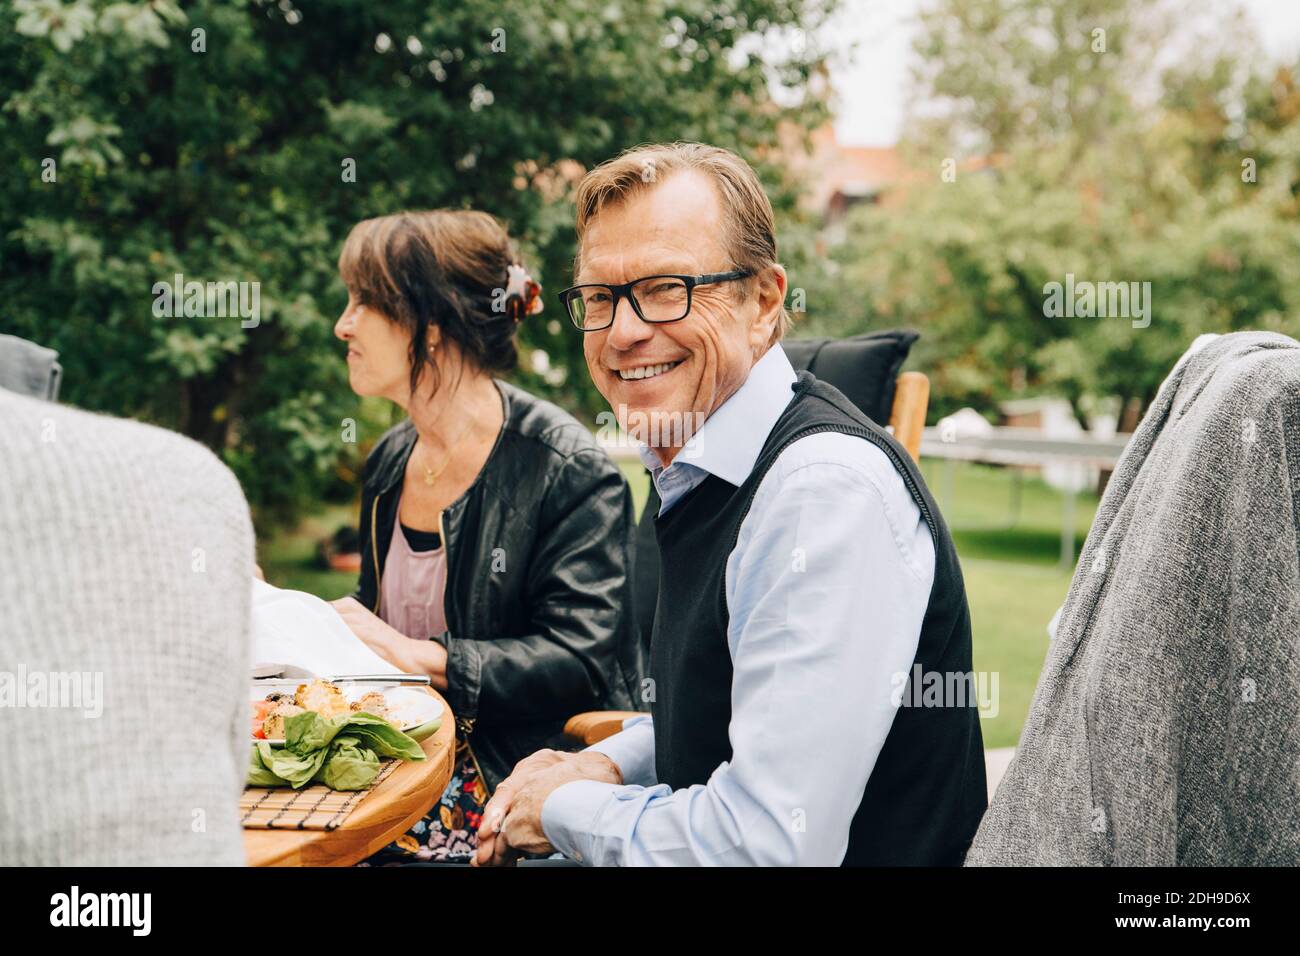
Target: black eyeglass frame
(625, 291)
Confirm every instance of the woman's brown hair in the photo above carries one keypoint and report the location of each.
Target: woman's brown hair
(443, 267)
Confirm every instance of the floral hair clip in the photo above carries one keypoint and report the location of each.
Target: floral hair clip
(523, 293)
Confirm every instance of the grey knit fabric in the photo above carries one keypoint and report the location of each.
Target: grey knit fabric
(1165, 729)
(127, 553)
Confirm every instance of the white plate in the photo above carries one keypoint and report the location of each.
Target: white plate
(409, 706)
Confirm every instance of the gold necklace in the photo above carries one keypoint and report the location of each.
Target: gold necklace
(430, 475)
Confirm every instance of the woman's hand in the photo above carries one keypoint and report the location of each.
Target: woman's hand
(411, 656)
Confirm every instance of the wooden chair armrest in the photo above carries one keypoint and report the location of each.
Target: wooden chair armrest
(911, 401)
(595, 725)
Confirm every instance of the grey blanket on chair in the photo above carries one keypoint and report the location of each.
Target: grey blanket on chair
(1165, 729)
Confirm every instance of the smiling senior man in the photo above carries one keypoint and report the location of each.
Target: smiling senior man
(806, 570)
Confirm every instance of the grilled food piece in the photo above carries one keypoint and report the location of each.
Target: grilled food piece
(273, 725)
(323, 697)
(372, 703)
(320, 696)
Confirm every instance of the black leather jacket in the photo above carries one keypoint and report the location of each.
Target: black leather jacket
(539, 598)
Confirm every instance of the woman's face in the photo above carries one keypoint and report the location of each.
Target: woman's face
(379, 353)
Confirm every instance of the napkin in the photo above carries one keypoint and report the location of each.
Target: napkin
(293, 627)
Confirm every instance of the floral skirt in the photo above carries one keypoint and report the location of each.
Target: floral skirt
(448, 833)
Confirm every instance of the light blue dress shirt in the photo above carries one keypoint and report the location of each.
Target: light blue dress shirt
(826, 591)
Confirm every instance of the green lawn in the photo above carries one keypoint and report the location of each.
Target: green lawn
(1013, 579)
(289, 560)
(1014, 582)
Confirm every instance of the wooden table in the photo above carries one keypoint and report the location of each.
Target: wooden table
(387, 811)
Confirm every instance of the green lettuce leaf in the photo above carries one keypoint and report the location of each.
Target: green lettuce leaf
(258, 773)
(309, 731)
(341, 752)
(382, 737)
(296, 769)
(349, 766)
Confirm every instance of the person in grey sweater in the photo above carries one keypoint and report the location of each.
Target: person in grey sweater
(1165, 729)
(124, 649)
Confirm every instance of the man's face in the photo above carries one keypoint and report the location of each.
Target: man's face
(700, 361)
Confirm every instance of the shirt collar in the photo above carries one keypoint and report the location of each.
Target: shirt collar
(728, 443)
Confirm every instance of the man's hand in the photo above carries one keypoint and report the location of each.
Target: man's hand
(410, 656)
(512, 820)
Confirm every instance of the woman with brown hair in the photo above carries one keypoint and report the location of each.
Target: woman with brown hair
(494, 530)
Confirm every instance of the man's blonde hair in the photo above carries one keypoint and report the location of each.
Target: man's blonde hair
(748, 224)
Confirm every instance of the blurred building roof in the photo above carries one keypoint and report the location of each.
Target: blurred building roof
(850, 174)
(839, 177)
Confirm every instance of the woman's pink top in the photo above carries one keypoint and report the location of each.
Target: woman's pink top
(413, 587)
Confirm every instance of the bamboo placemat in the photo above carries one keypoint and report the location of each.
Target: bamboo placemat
(312, 808)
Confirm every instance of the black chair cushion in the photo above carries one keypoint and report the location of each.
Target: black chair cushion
(863, 367)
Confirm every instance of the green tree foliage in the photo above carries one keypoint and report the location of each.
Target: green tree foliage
(1164, 149)
(209, 139)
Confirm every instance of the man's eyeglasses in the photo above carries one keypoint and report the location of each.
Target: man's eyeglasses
(661, 298)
